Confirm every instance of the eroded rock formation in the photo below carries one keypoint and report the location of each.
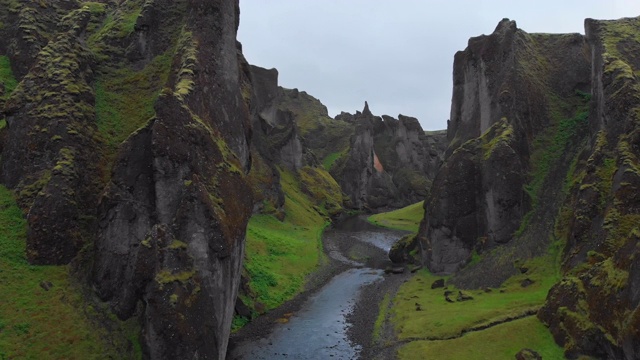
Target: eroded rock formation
(594, 310)
(506, 93)
(389, 163)
(379, 162)
(544, 150)
(166, 209)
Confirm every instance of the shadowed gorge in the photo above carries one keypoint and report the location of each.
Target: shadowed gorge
(162, 198)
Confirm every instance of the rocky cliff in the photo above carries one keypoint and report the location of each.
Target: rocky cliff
(129, 133)
(280, 117)
(390, 163)
(594, 310)
(508, 106)
(543, 154)
(379, 162)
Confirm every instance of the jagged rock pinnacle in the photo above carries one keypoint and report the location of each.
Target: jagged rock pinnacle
(366, 111)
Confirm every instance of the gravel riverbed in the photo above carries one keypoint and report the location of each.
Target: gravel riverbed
(357, 244)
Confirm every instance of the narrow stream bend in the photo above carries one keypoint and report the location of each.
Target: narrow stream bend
(319, 329)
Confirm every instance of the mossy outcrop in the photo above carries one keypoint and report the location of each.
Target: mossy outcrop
(543, 154)
(506, 97)
(50, 153)
(173, 217)
(379, 162)
(390, 162)
(129, 133)
(594, 309)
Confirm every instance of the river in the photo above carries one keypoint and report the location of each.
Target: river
(319, 326)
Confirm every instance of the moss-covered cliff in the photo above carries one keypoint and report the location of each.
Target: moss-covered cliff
(594, 309)
(512, 124)
(542, 157)
(127, 136)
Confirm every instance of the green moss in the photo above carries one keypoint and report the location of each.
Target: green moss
(407, 218)
(177, 244)
(146, 242)
(6, 77)
(279, 255)
(29, 191)
(440, 319)
(501, 342)
(173, 299)
(499, 133)
(383, 312)
(238, 322)
(608, 277)
(39, 324)
(330, 159)
(549, 147)
(125, 99)
(445, 330)
(188, 50)
(322, 189)
(117, 24)
(326, 136)
(166, 276)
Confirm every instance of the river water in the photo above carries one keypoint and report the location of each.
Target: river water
(319, 329)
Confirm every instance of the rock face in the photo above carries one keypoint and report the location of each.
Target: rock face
(505, 94)
(544, 148)
(173, 218)
(49, 156)
(379, 162)
(360, 173)
(278, 117)
(166, 209)
(594, 310)
(390, 162)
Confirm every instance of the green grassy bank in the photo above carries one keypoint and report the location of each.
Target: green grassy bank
(36, 323)
(435, 328)
(408, 218)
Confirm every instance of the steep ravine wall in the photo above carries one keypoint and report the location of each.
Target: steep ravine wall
(505, 96)
(161, 216)
(390, 162)
(543, 154)
(379, 162)
(594, 310)
(173, 217)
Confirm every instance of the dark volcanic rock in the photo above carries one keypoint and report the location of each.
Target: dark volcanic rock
(173, 218)
(360, 174)
(594, 310)
(503, 97)
(378, 163)
(280, 118)
(463, 297)
(438, 284)
(390, 162)
(50, 156)
(526, 282)
(401, 251)
(528, 354)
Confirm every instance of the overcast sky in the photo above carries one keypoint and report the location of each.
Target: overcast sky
(397, 55)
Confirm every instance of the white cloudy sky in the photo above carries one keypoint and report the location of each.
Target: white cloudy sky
(397, 55)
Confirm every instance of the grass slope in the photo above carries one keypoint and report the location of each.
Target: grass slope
(408, 218)
(6, 76)
(436, 328)
(35, 323)
(499, 342)
(279, 255)
(9, 82)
